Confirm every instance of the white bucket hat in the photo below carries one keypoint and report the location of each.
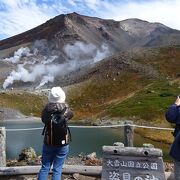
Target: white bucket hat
(56, 95)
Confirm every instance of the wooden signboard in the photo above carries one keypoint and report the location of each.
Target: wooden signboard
(130, 163)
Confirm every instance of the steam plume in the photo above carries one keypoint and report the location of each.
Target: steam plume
(46, 72)
(18, 54)
(42, 69)
(86, 53)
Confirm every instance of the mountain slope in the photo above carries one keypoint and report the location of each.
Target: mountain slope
(64, 45)
(141, 53)
(119, 35)
(145, 73)
(137, 84)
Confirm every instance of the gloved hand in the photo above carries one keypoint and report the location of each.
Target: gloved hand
(177, 102)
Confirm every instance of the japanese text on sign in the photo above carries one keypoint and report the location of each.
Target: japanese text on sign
(131, 164)
(114, 175)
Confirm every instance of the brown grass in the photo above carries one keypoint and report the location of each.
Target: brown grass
(26, 103)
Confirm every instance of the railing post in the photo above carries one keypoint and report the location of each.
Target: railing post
(2, 147)
(128, 134)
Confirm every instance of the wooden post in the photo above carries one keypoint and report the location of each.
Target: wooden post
(128, 134)
(2, 147)
(67, 169)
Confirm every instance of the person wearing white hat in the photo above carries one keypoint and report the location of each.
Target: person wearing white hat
(57, 95)
(56, 133)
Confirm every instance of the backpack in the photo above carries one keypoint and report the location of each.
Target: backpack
(57, 131)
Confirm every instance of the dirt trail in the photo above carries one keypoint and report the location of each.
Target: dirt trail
(121, 99)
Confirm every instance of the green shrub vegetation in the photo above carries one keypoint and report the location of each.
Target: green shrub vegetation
(148, 104)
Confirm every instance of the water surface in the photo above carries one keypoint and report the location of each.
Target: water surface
(84, 140)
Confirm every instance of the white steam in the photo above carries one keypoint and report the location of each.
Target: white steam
(45, 80)
(79, 50)
(102, 53)
(38, 68)
(86, 53)
(18, 54)
(41, 71)
(49, 60)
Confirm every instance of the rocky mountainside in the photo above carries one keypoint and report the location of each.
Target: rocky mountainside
(118, 35)
(67, 48)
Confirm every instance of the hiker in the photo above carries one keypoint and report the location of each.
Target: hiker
(173, 116)
(56, 134)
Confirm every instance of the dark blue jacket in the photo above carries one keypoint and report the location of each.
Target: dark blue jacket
(173, 116)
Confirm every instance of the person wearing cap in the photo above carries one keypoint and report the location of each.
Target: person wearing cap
(54, 155)
(173, 116)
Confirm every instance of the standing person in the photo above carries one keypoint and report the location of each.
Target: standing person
(56, 134)
(173, 116)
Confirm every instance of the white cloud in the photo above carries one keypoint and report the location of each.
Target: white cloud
(93, 4)
(71, 2)
(163, 11)
(21, 15)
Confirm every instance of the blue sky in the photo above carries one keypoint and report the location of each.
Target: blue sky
(18, 16)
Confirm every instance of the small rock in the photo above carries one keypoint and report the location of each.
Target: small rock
(27, 154)
(91, 156)
(118, 144)
(76, 176)
(148, 145)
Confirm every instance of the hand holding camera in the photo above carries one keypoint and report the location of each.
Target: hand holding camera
(177, 102)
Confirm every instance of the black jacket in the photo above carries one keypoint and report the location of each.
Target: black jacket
(55, 108)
